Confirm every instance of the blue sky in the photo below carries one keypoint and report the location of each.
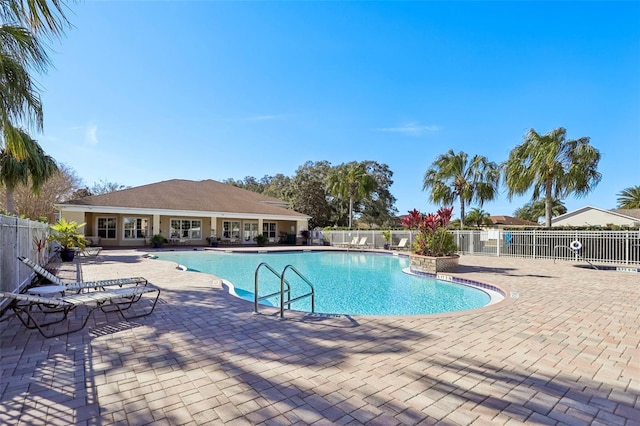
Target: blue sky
(146, 91)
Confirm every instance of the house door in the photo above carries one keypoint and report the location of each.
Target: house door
(250, 230)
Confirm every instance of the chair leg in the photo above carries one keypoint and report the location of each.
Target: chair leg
(135, 299)
(42, 327)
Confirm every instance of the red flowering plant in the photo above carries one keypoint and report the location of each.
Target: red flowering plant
(433, 239)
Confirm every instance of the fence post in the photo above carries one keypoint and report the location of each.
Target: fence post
(626, 247)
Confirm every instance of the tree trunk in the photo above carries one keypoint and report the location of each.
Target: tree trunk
(10, 201)
(548, 205)
(350, 211)
(461, 213)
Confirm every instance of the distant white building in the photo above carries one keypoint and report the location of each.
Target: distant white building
(593, 216)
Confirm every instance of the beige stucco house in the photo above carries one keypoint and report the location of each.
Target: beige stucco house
(185, 212)
(593, 216)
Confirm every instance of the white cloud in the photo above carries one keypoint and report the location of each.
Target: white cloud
(91, 134)
(413, 129)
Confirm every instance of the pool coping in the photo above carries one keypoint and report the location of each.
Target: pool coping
(498, 296)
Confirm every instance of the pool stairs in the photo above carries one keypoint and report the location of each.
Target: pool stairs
(285, 288)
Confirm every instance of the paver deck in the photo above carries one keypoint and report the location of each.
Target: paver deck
(564, 351)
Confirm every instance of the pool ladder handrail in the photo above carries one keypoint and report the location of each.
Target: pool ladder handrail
(256, 299)
(575, 252)
(282, 291)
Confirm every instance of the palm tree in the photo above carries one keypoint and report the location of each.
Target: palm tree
(478, 217)
(534, 210)
(19, 100)
(351, 181)
(553, 166)
(629, 198)
(41, 17)
(22, 23)
(453, 176)
(36, 167)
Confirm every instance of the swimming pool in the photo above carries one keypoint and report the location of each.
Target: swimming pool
(353, 283)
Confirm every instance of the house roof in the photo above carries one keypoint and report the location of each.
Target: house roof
(511, 221)
(178, 194)
(635, 213)
(625, 213)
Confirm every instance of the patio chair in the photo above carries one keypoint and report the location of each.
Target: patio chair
(83, 285)
(362, 242)
(353, 243)
(402, 244)
(90, 251)
(37, 311)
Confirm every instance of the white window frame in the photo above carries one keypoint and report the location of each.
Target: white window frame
(140, 231)
(231, 232)
(190, 229)
(106, 230)
(271, 230)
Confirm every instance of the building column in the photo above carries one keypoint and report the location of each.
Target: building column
(155, 227)
(214, 228)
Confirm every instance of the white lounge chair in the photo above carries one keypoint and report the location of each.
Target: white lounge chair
(353, 243)
(363, 242)
(401, 245)
(82, 285)
(37, 312)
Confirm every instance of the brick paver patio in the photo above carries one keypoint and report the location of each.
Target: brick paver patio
(563, 350)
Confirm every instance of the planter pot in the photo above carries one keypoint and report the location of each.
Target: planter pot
(157, 245)
(433, 265)
(67, 255)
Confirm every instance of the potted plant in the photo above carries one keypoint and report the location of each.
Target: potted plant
(213, 239)
(434, 249)
(67, 235)
(387, 238)
(261, 239)
(40, 245)
(157, 240)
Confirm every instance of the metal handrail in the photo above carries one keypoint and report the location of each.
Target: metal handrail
(574, 252)
(290, 301)
(256, 299)
(282, 291)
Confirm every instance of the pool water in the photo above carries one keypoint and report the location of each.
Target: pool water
(350, 283)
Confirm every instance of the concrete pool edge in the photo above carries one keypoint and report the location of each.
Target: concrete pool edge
(498, 296)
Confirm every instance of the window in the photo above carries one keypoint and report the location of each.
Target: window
(107, 227)
(135, 228)
(231, 230)
(269, 230)
(186, 228)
